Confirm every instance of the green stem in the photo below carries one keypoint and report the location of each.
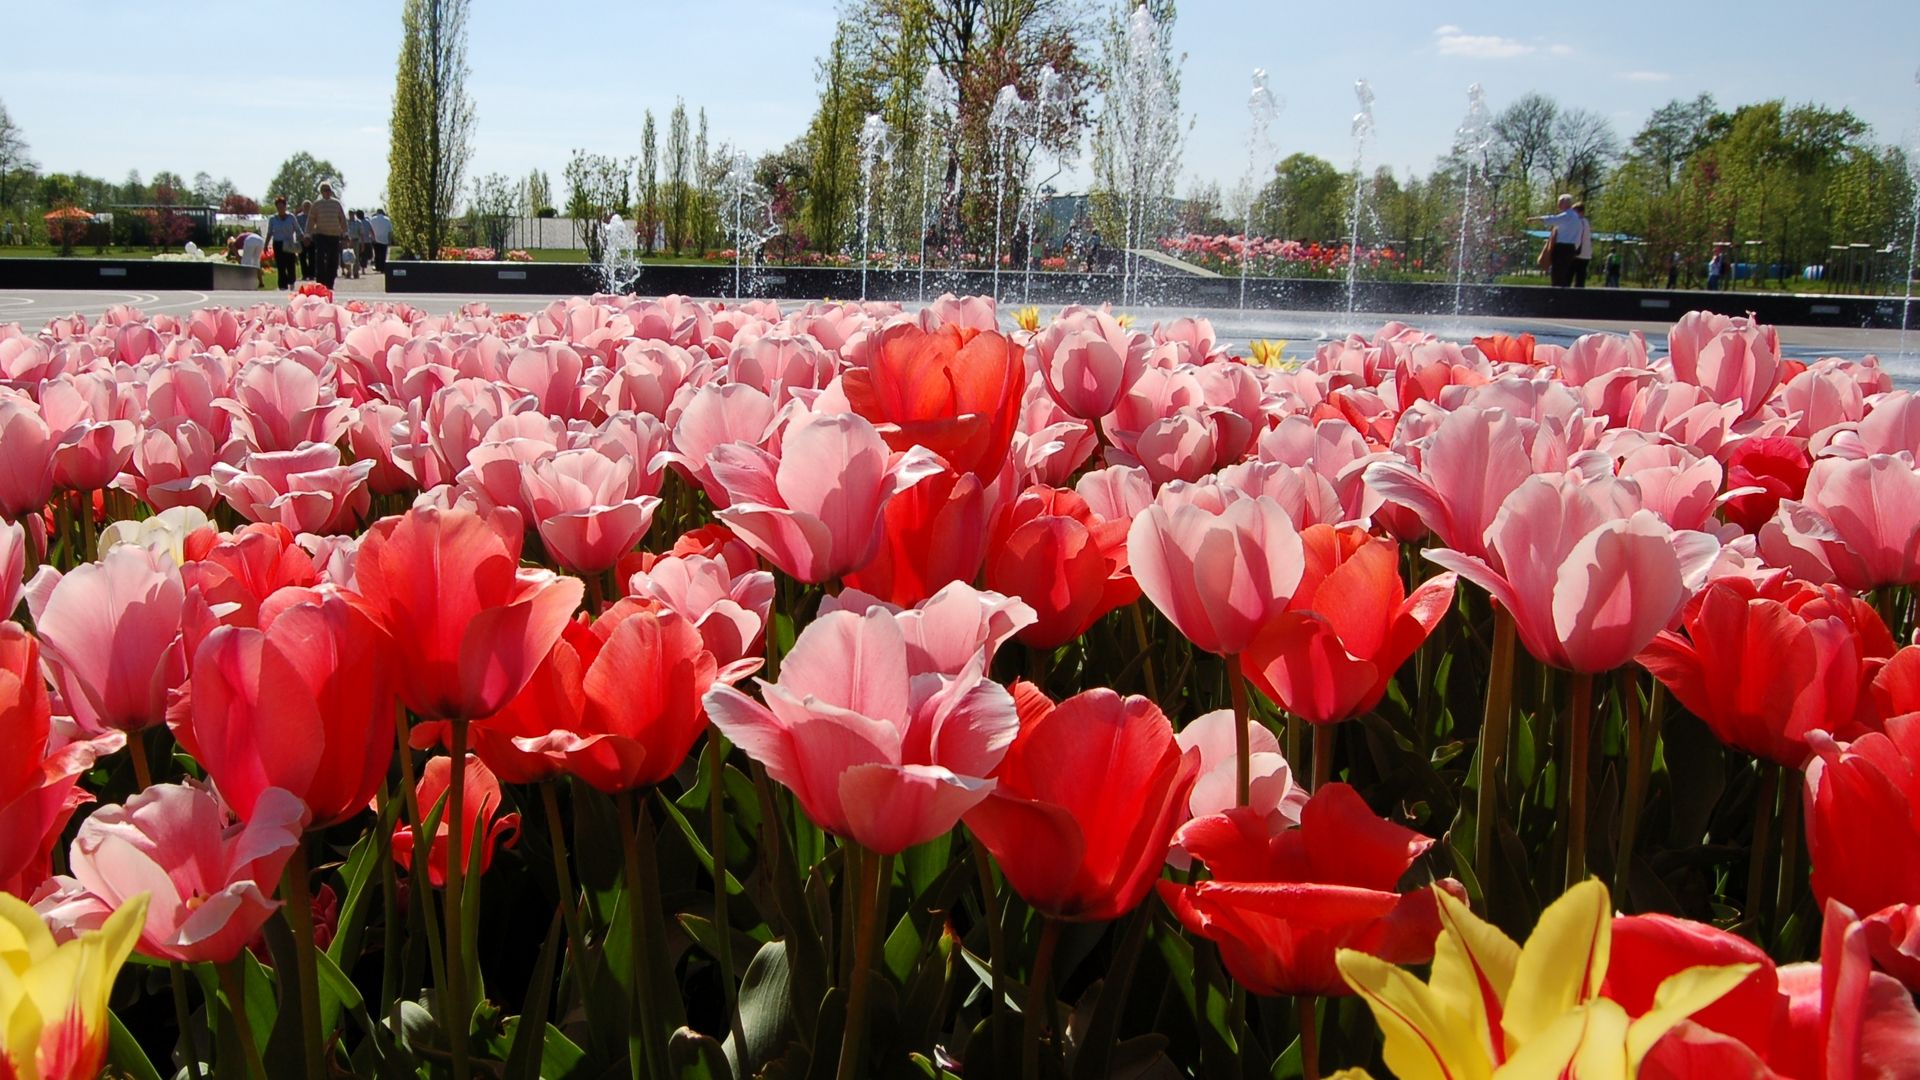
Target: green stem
(1323, 739)
(459, 1020)
(306, 965)
(137, 750)
(89, 538)
(410, 796)
(1494, 733)
(1140, 639)
(1039, 999)
(233, 985)
(1579, 734)
(189, 1044)
(722, 919)
(1242, 745)
(562, 876)
(1309, 1037)
(1762, 854)
(1639, 766)
(996, 935)
(1790, 840)
(871, 889)
(643, 913)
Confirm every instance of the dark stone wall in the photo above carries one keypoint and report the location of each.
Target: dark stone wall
(122, 274)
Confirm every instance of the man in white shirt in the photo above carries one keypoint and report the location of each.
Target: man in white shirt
(1568, 229)
(382, 236)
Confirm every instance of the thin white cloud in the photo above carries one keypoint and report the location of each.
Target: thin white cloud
(1451, 40)
(1646, 76)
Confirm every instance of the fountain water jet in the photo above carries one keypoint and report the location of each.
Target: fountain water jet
(1475, 135)
(1362, 131)
(938, 98)
(1002, 122)
(873, 146)
(1913, 242)
(619, 258)
(752, 223)
(1263, 107)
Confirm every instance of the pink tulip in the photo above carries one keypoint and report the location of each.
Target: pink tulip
(1589, 578)
(111, 634)
(303, 703)
(26, 469)
(1088, 360)
(815, 511)
(208, 880)
(13, 567)
(714, 416)
(175, 465)
(1858, 524)
(1218, 572)
(280, 404)
(307, 490)
(1468, 467)
(779, 364)
(93, 444)
(877, 749)
(1273, 793)
(586, 508)
(1735, 360)
(729, 608)
(946, 631)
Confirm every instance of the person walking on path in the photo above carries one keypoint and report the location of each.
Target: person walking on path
(283, 232)
(1716, 269)
(1613, 269)
(360, 240)
(1568, 229)
(1673, 270)
(1583, 255)
(327, 227)
(382, 236)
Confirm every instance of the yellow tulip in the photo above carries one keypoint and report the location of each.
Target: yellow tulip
(1125, 321)
(1028, 318)
(1494, 1010)
(1267, 353)
(53, 997)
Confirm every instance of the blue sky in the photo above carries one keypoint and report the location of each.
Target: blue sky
(108, 85)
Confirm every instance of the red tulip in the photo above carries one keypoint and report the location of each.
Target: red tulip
(1279, 909)
(481, 803)
(955, 391)
(1777, 466)
(1863, 805)
(932, 534)
(304, 702)
(1088, 797)
(468, 624)
(1070, 565)
(1765, 665)
(1506, 349)
(1647, 949)
(39, 790)
(616, 703)
(1348, 628)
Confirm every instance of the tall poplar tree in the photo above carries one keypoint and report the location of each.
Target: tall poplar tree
(432, 123)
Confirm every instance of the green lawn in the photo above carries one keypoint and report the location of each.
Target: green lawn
(80, 251)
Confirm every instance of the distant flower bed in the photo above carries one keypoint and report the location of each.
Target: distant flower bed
(516, 255)
(1270, 257)
(471, 254)
(190, 256)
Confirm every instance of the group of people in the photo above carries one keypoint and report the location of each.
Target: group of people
(1570, 246)
(323, 239)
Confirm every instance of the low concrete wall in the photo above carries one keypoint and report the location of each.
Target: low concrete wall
(81, 273)
(1288, 294)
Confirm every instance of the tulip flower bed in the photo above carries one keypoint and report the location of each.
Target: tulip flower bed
(838, 691)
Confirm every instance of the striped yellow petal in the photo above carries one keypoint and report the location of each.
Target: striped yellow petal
(1562, 964)
(1425, 1039)
(1473, 966)
(1679, 996)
